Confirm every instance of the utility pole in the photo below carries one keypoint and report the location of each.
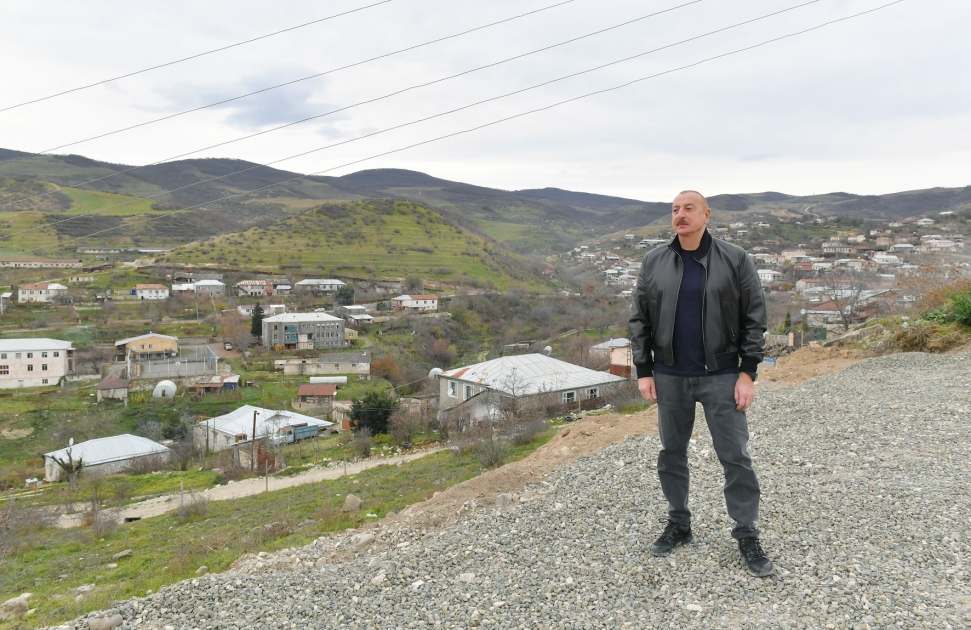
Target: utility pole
(252, 458)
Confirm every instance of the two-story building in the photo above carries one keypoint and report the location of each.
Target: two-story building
(318, 286)
(415, 303)
(40, 292)
(148, 347)
(303, 331)
(34, 362)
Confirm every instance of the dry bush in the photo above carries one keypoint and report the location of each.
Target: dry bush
(361, 444)
(929, 337)
(524, 432)
(146, 465)
(17, 521)
(931, 283)
(193, 506)
(403, 427)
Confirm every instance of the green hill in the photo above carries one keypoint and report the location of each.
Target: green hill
(375, 238)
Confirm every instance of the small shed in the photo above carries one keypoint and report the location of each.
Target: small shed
(106, 455)
(310, 395)
(113, 387)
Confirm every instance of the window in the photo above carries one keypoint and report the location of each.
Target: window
(469, 392)
(593, 392)
(453, 389)
(43, 355)
(43, 381)
(569, 397)
(4, 369)
(141, 347)
(30, 368)
(3, 355)
(149, 346)
(43, 367)
(56, 354)
(30, 355)
(18, 355)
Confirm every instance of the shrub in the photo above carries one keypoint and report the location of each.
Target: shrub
(193, 506)
(524, 432)
(960, 303)
(361, 444)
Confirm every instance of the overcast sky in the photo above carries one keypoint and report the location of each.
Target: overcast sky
(876, 104)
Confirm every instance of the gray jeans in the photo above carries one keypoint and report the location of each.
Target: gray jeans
(676, 398)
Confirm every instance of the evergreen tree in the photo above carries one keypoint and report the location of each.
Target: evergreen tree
(788, 325)
(256, 324)
(373, 411)
(344, 295)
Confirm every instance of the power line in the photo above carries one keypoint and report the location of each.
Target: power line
(369, 101)
(279, 85)
(190, 57)
(499, 121)
(420, 120)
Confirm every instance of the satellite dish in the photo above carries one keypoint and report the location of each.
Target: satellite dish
(434, 372)
(548, 350)
(165, 389)
(70, 442)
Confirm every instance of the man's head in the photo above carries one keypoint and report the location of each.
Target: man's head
(689, 215)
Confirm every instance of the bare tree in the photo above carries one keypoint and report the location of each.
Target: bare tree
(845, 288)
(69, 466)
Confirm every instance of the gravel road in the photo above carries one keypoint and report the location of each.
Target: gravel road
(866, 514)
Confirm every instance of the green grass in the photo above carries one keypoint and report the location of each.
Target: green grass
(106, 204)
(167, 548)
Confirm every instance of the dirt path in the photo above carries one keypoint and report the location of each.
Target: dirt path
(247, 487)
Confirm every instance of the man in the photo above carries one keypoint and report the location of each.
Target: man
(696, 325)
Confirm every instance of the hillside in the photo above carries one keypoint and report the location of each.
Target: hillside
(381, 238)
(531, 221)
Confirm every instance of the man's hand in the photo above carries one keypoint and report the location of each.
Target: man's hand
(646, 387)
(744, 391)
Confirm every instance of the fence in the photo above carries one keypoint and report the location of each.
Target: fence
(192, 361)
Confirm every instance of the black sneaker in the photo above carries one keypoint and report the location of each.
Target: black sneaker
(674, 536)
(756, 561)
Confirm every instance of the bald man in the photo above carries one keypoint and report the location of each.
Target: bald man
(696, 324)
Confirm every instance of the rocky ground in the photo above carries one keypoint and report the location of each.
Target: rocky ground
(866, 513)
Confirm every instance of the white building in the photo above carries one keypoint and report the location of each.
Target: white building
(303, 331)
(34, 362)
(105, 455)
(767, 276)
(150, 292)
(236, 427)
(415, 303)
(318, 285)
(40, 292)
(463, 390)
(251, 288)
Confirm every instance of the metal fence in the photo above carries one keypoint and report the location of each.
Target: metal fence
(192, 361)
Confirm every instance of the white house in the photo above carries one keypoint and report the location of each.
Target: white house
(105, 455)
(236, 427)
(767, 276)
(318, 285)
(34, 362)
(40, 292)
(925, 222)
(415, 303)
(150, 292)
(465, 390)
(250, 288)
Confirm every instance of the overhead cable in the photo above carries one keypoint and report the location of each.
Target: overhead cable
(427, 118)
(490, 124)
(190, 57)
(280, 85)
(368, 101)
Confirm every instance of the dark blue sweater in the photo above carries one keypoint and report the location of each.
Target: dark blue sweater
(689, 341)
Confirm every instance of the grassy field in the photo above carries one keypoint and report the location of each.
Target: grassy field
(49, 562)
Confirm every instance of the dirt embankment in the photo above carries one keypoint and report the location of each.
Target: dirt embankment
(808, 362)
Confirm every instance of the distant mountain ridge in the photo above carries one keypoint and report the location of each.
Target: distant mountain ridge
(548, 219)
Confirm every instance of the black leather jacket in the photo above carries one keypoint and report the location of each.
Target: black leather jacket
(733, 315)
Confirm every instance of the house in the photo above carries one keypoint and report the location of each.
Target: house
(5, 298)
(925, 222)
(211, 288)
(113, 387)
(315, 396)
(150, 292)
(40, 292)
(318, 286)
(358, 363)
(835, 247)
(183, 289)
(303, 331)
(415, 303)
(360, 320)
(80, 279)
(34, 362)
(768, 276)
(251, 288)
(148, 347)
(269, 310)
(350, 335)
(350, 309)
(601, 351)
(236, 427)
(622, 361)
(476, 391)
(40, 263)
(105, 455)
(216, 384)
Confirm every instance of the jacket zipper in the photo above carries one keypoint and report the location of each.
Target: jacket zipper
(680, 278)
(704, 300)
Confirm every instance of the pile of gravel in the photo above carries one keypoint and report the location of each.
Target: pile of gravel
(865, 477)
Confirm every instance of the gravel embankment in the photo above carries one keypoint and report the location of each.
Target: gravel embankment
(866, 513)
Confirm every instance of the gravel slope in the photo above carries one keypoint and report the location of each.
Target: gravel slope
(866, 513)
